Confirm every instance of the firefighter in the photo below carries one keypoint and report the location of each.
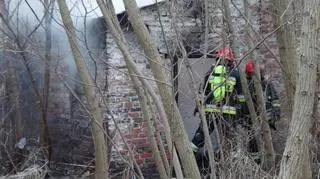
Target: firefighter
(270, 94)
(223, 93)
(272, 104)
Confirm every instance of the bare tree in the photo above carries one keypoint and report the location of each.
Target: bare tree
(101, 165)
(179, 134)
(283, 11)
(151, 131)
(113, 24)
(44, 135)
(267, 146)
(268, 160)
(14, 99)
(11, 82)
(295, 162)
(119, 39)
(20, 42)
(146, 110)
(244, 81)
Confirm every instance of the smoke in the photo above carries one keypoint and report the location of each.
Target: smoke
(26, 18)
(26, 15)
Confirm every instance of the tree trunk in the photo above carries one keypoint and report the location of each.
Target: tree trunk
(200, 106)
(268, 160)
(101, 165)
(151, 131)
(287, 46)
(265, 140)
(11, 83)
(143, 99)
(227, 20)
(244, 83)
(44, 133)
(295, 163)
(111, 20)
(14, 99)
(179, 134)
(267, 146)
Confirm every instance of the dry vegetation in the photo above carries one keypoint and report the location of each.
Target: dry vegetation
(291, 152)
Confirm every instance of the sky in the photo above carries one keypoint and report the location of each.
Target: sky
(76, 7)
(118, 4)
(120, 7)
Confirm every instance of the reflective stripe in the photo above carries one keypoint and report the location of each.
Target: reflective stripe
(211, 108)
(241, 98)
(229, 110)
(275, 103)
(232, 79)
(224, 109)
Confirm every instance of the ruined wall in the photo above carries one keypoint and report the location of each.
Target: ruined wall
(69, 125)
(122, 97)
(274, 74)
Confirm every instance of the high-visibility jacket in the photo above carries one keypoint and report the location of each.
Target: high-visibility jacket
(223, 85)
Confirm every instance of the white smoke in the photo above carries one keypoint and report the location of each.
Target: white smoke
(25, 16)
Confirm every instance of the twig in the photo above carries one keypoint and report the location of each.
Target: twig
(8, 154)
(87, 111)
(75, 165)
(264, 43)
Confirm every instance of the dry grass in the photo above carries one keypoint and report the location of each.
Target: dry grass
(33, 172)
(31, 167)
(240, 166)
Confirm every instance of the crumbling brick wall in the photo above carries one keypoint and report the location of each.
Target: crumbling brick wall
(69, 125)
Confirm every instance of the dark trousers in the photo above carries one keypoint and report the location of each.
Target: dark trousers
(198, 138)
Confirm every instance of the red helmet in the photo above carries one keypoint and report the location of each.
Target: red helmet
(249, 67)
(225, 53)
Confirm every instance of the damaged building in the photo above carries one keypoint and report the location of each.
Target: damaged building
(68, 124)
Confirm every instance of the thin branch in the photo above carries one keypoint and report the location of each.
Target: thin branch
(264, 43)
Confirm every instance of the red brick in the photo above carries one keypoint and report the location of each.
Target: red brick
(268, 55)
(144, 125)
(127, 105)
(145, 155)
(124, 152)
(128, 136)
(140, 141)
(136, 130)
(134, 114)
(160, 128)
(140, 161)
(142, 135)
(168, 155)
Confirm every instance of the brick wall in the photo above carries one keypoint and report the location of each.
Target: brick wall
(69, 125)
(274, 74)
(123, 99)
